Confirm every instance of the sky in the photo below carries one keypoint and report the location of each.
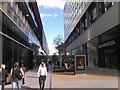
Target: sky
(51, 13)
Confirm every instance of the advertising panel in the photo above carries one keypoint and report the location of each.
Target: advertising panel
(80, 64)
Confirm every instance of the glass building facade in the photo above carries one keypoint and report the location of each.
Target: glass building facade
(19, 38)
(92, 29)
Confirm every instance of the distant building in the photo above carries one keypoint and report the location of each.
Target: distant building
(91, 28)
(21, 33)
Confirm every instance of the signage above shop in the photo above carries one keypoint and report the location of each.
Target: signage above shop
(106, 44)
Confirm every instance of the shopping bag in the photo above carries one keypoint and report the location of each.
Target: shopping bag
(9, 78)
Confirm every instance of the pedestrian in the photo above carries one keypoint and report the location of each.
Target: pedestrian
(17, 75)
(47, 66)
(4, 75)
(66, 65)
(42, 73)
(0, 78)
(23, 69)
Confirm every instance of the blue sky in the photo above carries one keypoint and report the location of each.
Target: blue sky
(51, 12)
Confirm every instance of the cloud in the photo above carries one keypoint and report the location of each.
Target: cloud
(48, 15)
(52, 49)
(55, 15)
(51, 3)
(45, 15)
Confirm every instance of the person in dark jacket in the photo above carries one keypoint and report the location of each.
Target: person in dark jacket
(4, 75)
(17, 74)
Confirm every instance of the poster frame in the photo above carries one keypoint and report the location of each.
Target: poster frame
(77, 68)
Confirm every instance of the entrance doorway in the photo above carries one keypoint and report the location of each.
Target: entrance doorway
(107, 57)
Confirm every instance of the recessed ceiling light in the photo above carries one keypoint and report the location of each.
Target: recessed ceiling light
(27, 15)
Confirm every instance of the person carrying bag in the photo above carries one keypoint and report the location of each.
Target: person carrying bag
(17, 75)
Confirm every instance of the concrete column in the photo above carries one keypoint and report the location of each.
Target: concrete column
(0, 46)
(1, 38)
(119, 13)
(0, 49)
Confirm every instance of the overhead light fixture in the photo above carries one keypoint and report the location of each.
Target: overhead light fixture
(27, 15)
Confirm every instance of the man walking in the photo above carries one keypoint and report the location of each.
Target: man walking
(42, 73)
(17, 75)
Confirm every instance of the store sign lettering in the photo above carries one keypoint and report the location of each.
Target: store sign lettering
(110, 43)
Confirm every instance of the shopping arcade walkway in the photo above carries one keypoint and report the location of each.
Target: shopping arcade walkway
(68, 80)
(32, 81)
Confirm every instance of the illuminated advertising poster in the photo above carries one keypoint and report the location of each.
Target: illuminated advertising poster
(80, 62)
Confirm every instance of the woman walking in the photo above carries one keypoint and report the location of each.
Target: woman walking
(4, 75)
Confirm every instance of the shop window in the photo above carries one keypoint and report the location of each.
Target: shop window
(70, 40)
(84, 48)
(102, 8)
(76, 32)
(108, 5)
(9, 9)
(84, 51)
(74, 35)
(15, 17)
(92, 16)
(92, 13)
(84, 24)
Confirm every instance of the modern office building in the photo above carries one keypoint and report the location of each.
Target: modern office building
(21, 33)
(40, 32)
(92, 29)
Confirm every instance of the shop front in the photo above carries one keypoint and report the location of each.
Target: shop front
(107, 55)
(103, 50)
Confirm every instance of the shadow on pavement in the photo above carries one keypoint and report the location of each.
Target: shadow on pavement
(29, 88)
(114, 74)
(31, 77)
(64, 73)
(101, 71)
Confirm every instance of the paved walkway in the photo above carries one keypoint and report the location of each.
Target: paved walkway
(66, 80)
(61, 80)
